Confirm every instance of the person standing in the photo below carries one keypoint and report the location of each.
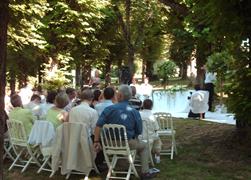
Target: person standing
(209, 86)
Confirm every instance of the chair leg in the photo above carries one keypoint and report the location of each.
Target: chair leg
(52, 174)
(32, 157)
(131, 160)
(42, 167)
(7, 152)
(26, 165)
(18, 156)
(68, 175)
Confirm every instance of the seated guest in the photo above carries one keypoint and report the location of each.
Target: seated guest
(34, 105)
(83, 113)
(96, 98)
(20, 114)
(57, 115)
(153, 126)
(50, 99)
(135, 102)
(71, 92)
(108, 96)
(122, 113)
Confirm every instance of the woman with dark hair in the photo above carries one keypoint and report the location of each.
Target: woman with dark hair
(51, 95)
(96, 99)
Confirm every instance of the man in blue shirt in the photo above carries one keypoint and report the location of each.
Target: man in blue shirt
(121, 113)
(108, 95)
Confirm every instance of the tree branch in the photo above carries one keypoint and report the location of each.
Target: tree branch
(179, 9)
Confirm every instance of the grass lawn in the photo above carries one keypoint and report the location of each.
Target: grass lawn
(205, 151)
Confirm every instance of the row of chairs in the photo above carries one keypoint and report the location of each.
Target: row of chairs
(117, 147)
(23, 153)
(114, 147)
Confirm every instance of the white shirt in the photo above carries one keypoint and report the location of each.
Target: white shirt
(146, 90)
(83, 113)
(34, 107)
(210, 77)
(44, 109)
(153, 125)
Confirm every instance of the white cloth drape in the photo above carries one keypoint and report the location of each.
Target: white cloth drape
(199, 101)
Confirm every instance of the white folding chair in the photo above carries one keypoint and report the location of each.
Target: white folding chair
(73, 150)
(145, 137)
(115, 147)
(166, 130)
(19, 141)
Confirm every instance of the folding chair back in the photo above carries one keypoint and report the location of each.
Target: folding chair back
(17, 133)
(114, 139)
(19, 141)
(115, 147)
(165, 122)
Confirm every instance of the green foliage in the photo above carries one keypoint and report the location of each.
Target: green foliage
(238, 88)
(166, 70)
(55, 78)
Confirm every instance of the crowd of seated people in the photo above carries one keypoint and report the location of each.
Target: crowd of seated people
(93, 107)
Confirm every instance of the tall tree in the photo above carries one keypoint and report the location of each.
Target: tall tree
(4, 18)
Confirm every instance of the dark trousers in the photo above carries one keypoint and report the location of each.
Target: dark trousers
(100, 155)
(210, 88)
(195, 115)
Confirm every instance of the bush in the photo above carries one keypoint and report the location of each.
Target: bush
(166, 70)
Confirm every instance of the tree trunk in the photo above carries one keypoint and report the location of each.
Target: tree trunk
(78, 76)
(131, 59)
(143, 69)
(4, 18)
(202, 50)
(184, 71)
(40, 74)
(149, 69)
(12, 82)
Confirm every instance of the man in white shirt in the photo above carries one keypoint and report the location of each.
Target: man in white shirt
(83, 113)
(209, 86)
(146, 89)
(108, 95)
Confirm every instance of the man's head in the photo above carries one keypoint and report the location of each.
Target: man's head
(71, 92)
(108, 93)
(16, 100)
(148, 104)
(61, 100)
(124, 92)
(133, 90)
(146, 80)
(86, 95)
